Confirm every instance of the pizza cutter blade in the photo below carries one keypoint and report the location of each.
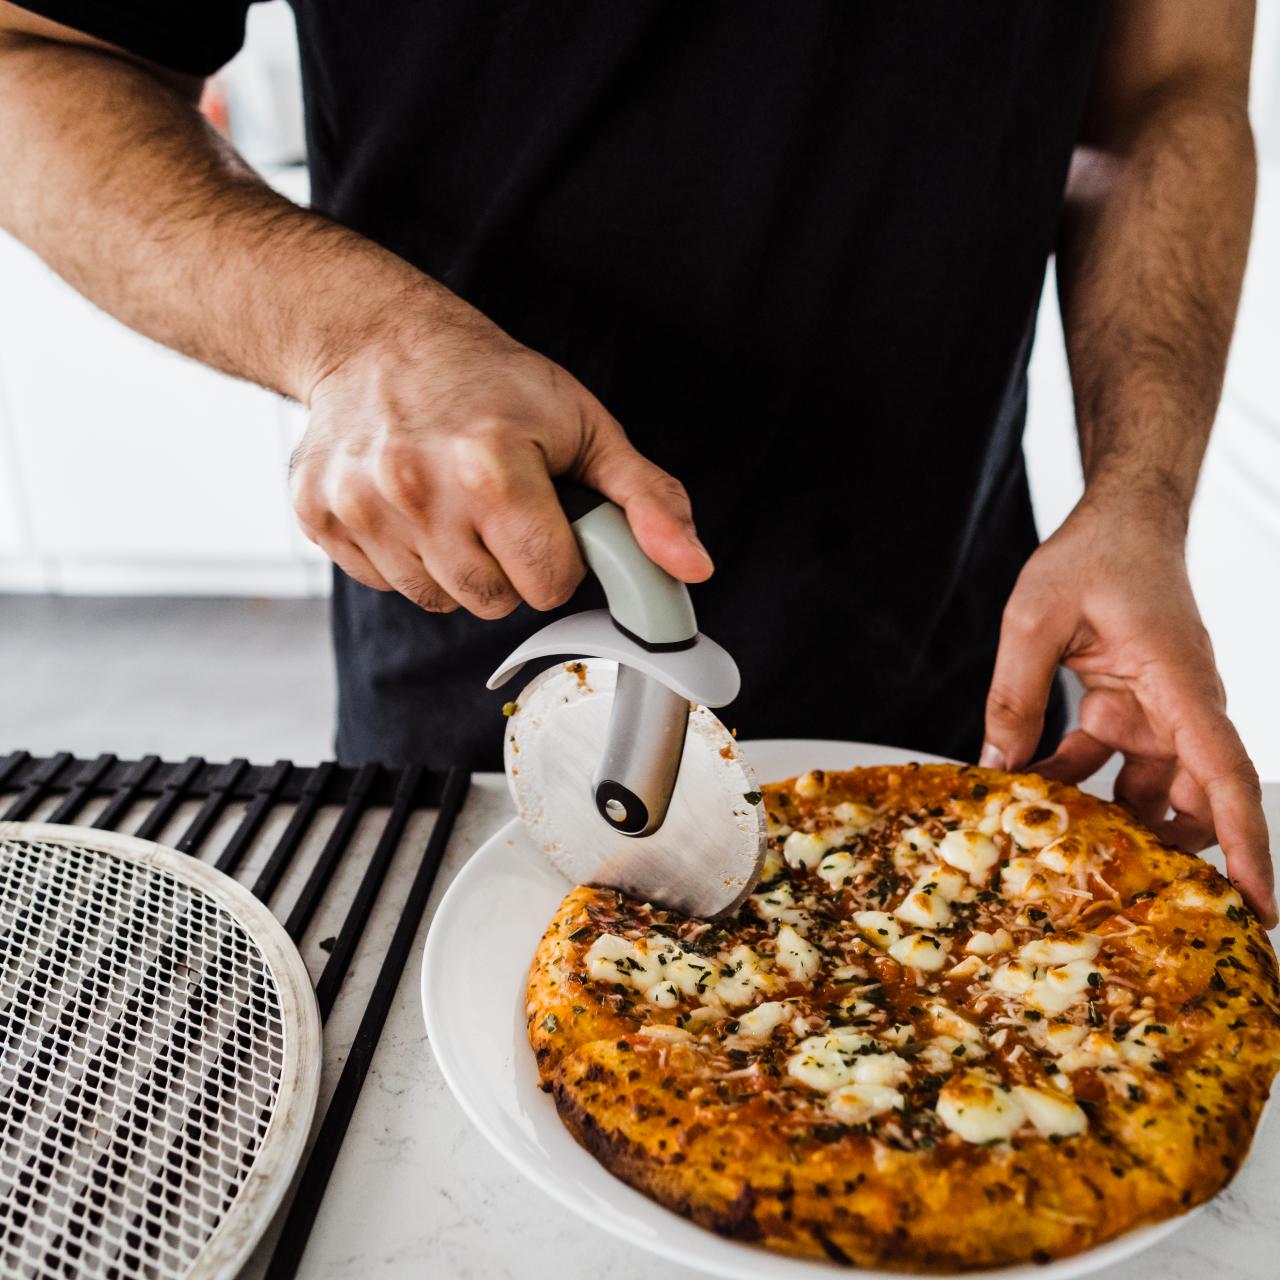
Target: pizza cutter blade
(615, 763)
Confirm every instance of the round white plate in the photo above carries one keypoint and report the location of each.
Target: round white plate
(488, 927)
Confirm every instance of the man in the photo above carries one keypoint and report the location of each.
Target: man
(795, 251)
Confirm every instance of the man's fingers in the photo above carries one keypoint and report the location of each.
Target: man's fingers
(1142, 786)
(349, 558)
(404, 570)
(657, 508)
(1078, 756)
(531, 540)
(470, 575)
(1031, 643)
(1210, 750)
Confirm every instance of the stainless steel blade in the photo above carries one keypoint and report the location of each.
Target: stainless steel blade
(708, 852)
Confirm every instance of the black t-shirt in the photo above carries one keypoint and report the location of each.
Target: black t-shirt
(796, 249)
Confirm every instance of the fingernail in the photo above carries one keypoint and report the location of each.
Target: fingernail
(992, 757)
(696, 543)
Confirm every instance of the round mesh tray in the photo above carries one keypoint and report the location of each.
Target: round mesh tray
(159, 1059)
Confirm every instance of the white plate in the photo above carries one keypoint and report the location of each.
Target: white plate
(487, 928)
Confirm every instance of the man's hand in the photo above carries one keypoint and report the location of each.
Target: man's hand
(426, 469)
(1108, 597)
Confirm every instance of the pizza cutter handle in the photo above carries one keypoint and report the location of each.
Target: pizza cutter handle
(644, 600)
(637, 774)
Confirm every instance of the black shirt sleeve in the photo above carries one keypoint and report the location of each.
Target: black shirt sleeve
(193, 36)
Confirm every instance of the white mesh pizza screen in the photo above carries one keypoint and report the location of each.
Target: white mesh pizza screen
(145, 1052)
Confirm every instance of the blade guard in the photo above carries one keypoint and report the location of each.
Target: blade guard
(704, 672)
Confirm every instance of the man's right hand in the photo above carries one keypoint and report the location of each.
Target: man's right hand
(426, 469)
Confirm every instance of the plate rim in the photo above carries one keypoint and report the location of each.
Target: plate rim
(740, 1261)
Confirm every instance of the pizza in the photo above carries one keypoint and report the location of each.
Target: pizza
(967, 1018)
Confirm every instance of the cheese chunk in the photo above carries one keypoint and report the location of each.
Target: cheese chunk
(1067, 855)
(773, 865)
(758, 1023)
(913, 844)
(926, 905)
(946, 1021)
(804, 849)
(853, 817)
(1060, 948)
(1013, 978)
(922, 951)
(770, 904)
(609, 959)
(1062, 986)
(812, 784)
(826, 1062)
(837, 868)
(690, 974)
(989, 944)
(1052, 1114)
(668, 1034)
(858, 1103)
(878, 927)
(746, 976)
(971, 852)
(663, 994)
(1057, 1037)
(1192, 896)
(795, 956)
(979, 1109)
(881, 1068)
(1034, 823)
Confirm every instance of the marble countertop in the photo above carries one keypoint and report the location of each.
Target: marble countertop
(417, 1191)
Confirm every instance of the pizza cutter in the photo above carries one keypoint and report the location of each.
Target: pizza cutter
(616, 764)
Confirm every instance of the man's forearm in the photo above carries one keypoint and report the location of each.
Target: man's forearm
(119, 183)
(1150, 260)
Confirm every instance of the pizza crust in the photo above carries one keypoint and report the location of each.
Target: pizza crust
(759, 1101)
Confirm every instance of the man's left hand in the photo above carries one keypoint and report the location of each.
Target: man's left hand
(1108, 597)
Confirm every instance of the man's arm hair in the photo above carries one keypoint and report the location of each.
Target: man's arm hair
(1154, 240)
(115, 179)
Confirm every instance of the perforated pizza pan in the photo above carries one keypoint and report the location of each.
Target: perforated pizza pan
(159, 1060)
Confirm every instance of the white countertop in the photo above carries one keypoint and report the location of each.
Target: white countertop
(417, 1191)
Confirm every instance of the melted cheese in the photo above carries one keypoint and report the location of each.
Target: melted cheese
(989, 944)
(913, 844)
(812, 784)
(826, 1062)
(758, 1023)
(608, 959)
(804, 849)
(1034, 823)
(858, 1103)
(770, 904)
(975, 1106)
(1057, 1037)
(920, 951)
(881, 1068)
(1013, 978)
(971, 852)
(878, 927)
(1060, 948)
(1061, 987)
(838, 868)
(670, 1035)
(1193, 896)
(663, 994)
(746, 976)
(1052, 1114)
(796, 956)
(926, 905)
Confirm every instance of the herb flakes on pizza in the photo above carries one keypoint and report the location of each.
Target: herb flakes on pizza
(968, 1018)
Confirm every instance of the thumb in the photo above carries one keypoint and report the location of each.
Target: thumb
(656, 504)
(1026, 660)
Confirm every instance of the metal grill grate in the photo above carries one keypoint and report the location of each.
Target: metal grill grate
(118, 1200)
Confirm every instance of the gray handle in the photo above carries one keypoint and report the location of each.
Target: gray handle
(644, 600)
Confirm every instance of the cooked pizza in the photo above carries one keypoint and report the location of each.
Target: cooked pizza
(967, 1018)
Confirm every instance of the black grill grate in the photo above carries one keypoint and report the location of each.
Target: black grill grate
(64, 786)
